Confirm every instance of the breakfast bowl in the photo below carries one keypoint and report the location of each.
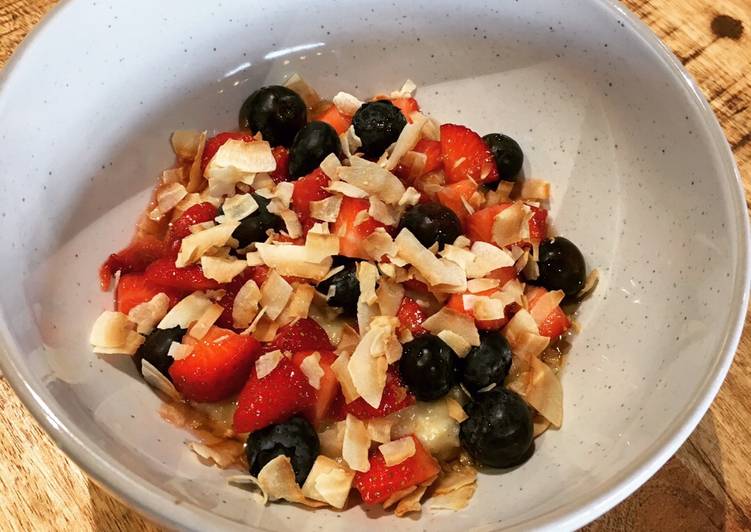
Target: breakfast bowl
(642, 179)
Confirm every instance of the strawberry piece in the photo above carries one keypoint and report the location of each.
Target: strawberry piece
(283, 392)
(214, 143)
(456, 302)
(381, 481)
(480, 224)
(432, 151)
(395, 397)
(504, 275)
(306, 189)
(556, 323)
(134, 289)
(331, 115)
(351, 235)
(164, 273)
(451, 196)
(538, 224)
(228, 300)
(281, 156)
(180, 228)
(327, 389)
(411, 315)
(407, 106)
(465, 156)
(132, 259)
(303, 335)
(217, 368)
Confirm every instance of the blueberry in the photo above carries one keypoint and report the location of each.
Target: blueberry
(276, 111)
(312, 144)
(253, 227)
(295, 439)
(487, 363)
(498, 431)
(561, 266)
(431, 223)
(507, 153)
(154, 349)
(428, 367)
(346, 288)
(378, 125)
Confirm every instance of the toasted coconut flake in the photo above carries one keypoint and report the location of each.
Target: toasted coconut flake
(545, 305)
(522, 322)
(369, 362)
(383, 213)
(373, 179)
(206, 321)
(508, 225)
(267, 363)
(531, 270)
(275, 293)
(245, 305)
(454, 500)
(484, 307)
(544, 392)
(291, 223)
(389, 295)
(535, 189)
(454, 479)
(179, 351)
(539, 425)
(367, 276)
(195, 175)
(458, 344)
(415, 161)
(481, 285)
(340, 367)
(440, 274)
(589, 284)
(410, 197)
(449, 320)
(185, 143)
(488, 258)
(455, 410)
(194, 246)
(146, 315)
(251, 482)
(245, 157)
(410, 503)
(305, 91)
(408, 138)
(277, 480)
(326, 210)
(239, 206)
(223, 454)
(111, 329)
(379, 429)
(222, 269)
(407, 90)
(291, 260)
(431, 129)
(356, 444)
(348, 340)
(329, 165)
(397, 451)
(158, 381)
(350, 142)
(397, 496)
(346, 104)
(378, 244)
(311, 368)
(299, 303)
(169, 196)
(332, 440)
(346, 189)
(319, 247)
(328, 482)
(186, 311)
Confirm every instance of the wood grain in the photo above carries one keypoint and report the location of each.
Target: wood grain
(705, 486)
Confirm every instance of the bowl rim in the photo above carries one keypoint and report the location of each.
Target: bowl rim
(166, 510)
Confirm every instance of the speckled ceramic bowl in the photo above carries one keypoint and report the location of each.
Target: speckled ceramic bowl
(643, 181)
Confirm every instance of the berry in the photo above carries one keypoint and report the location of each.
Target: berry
(306, 189)
(431, 223)
(465, 156)
(487, 363)
(346, 289)
(180, 228)
(328, 387)
(294, 438)
(507, 154)
(302, 335)
(556, 323)
(428, 367)
(480, 224)
(456, 303)
(217, 367)
(351, 234)
(134, 289)
(254, 227)
(456, 196)
(276, 111)
(378, 124)
(312, 144)
(395, 397)
(214, 143)
(154, 349)
(228, 299)
(498, 432)
(163, 272)
(281, 156)
(133, 259)
(411, 315)
(561, 266)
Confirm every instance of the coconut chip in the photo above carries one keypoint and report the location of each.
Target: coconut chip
(367, 276)
(589, 284)
(237, 161)
(482, 285)
(454, 479)
(350, 142)
(410, 503)
(223, 454)
(290, 260)
(167, 198)
(410, 197)
(535, 189)
(545, 305)
(185, 143)
(454, 500)
(239, 206)
(486, 307)
(378, 244)
(275, 293)
(311, 368)
(187, 310)
(346, 104)
(222, 269)
(397, 451)
(397, 496)
(508, 225)
(146, 315)
(379, 429)
(277, 480)
(328, 482)
(453, 322)
(298, 305)
(356, 444)
(195, 174)
(179, 351)
(308, 94)
(455, 410)
(346, 189)
(114, 334)
(326, 210)
(383, 213)
(268, 362)
(245, 305)
(340, 367)
(440, 274)
(332, 440)
(407, 90)
(206, 321)
(389, 295)
(373, 179)
(377, 348)
(408, 138)
(158, 381)
(544, 392)
(242, 481)
(415, 161)
(194, 246)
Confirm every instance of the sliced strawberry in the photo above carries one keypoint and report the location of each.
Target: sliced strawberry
(556, 323)
(281, 156)
(217, 368)
(351, 235)
(180, 228)
(407, 106)
(432, 151)
(395, 397)
(164, 273)
(306, 189)
(303, 335)
(456, 302)
(331, 115)
(134, 289)
(214, 143)
(456, 195)
(327, 389)
(381, 481)
(230, 292)
(538, 224)
(283, 392)
(133, 259)
(480, 224)
(411, 315)
(465, 156)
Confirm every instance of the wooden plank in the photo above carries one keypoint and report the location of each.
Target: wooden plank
(705, 486)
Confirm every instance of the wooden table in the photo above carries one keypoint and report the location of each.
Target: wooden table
(705, 486)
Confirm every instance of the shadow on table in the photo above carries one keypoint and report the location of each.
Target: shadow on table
(687, 494)
(110, 514)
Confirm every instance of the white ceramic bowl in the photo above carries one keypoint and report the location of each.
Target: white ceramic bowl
(643, 180)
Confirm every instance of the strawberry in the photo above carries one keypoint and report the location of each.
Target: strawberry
(163, 272)
(538, 224)
(411, 315)
(214, 143)
(281, 156)
(381, 481)
(456, 302)
(331, 115)
(303, 335)
(327, 390)
(407, 106)
(228, 300)
(504, 275)
(351, 235)
(480, 224)
(556, 323)
(133, 259)
(134, 289)
(180, 228)
(451, 196)
(465, 156)
(306, 189)
(217, 368)
(395, 397)
(283, 392)
(432, 151)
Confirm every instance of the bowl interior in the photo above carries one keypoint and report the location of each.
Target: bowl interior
(639, 183)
